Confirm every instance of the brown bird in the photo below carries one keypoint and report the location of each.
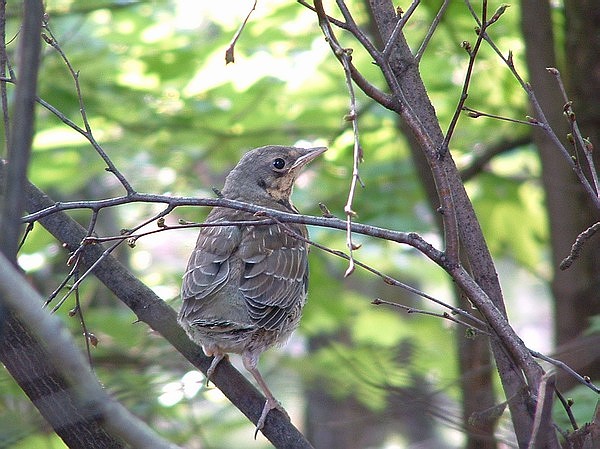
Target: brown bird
(245, 285)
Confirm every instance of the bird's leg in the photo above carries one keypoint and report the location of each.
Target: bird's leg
(218, 356)
(250, 360)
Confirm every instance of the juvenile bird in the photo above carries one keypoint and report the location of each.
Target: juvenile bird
(245, 285)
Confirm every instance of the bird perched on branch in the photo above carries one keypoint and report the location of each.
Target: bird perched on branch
(245, 285)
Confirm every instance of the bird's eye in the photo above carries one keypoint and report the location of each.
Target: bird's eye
(278, 163)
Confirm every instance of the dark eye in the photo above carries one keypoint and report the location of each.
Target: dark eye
(278, 163)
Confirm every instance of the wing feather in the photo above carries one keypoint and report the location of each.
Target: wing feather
(208, 268)
(275, 274)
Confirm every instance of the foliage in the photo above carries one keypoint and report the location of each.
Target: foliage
(174, 119)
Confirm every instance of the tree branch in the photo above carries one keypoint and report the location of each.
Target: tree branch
(80, 386)
(21, 132)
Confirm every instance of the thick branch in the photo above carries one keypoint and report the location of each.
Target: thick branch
(21, 133)
(77, 400)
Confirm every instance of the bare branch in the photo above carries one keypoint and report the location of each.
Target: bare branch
(539, 114)
(577, 245)
(472, 51)
(87, 132)
(402, 20)
(580, 143)
(581, 379)
(432, 28)
(474, 113)
(106, 253)
(229, 57)
(444, 315)
(337, 23)
(567, 406)
(344, 56)
(369, 89)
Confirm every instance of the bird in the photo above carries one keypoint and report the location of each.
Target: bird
(245, 284)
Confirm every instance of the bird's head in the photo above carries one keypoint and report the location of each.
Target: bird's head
(267, 174)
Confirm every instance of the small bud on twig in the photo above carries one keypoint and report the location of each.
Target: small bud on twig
(467, 46)
(501, 10)
(509, 60)
(92, 339)
(325, 211)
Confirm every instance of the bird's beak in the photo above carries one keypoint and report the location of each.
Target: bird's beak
(309, 155)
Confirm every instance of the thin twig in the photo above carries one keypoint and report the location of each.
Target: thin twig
(87, 132)
(467, 81)
(74, 263)
(79, 312)
(542, 420)
(109, 250)
(26, 232)
(432, 29)
(132, 238)
(567, 406)
(444, 315)
(336, 22)
(578, 244)
(344, 55)
(539, 113)
(402, 20)
(355, 30)
(562, 365)
(229, 57)
(474, 113)
(585, 145)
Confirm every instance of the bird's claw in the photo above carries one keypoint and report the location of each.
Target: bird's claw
(216, 359)
(270, 404)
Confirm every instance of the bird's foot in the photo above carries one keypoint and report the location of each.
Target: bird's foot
(270, 404)
(215, 361)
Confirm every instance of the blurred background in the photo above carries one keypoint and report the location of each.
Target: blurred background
(175, 119)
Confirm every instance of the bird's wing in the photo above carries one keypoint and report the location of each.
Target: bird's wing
(275, 273)
(209, 266)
